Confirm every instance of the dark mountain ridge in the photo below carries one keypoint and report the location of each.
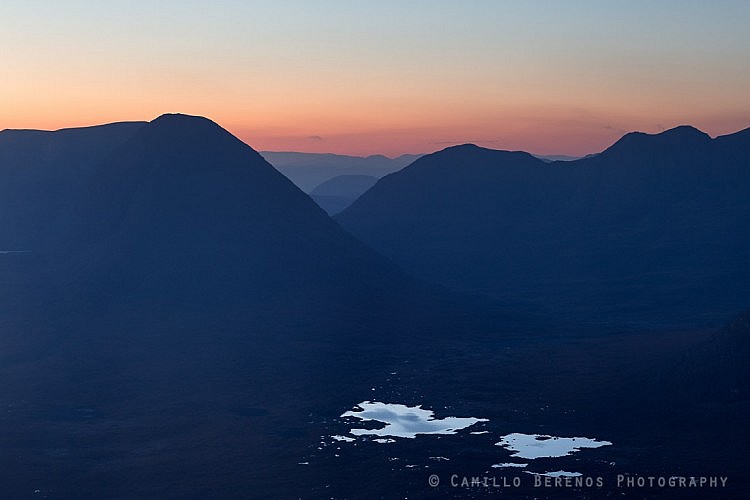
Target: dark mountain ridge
(177, 208)
(187, 293)
(44, 174)
(196, 324)
(647, 232)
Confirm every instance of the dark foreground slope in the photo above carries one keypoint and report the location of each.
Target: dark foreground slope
(717, 371)
(173, 339)
(648, 232)
(695, 401)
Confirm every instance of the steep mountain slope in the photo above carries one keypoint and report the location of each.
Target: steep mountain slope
(196, 307)
(199, 325)
(646, 232)
(176, 203)
(186, 193)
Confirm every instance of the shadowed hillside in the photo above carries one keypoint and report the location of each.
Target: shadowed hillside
(193, 307)
(196, 326)
(645, 233)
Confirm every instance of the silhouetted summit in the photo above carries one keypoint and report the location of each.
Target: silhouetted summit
(183, 321)
(674, 137)
(180, 287)
(466, 153)
(646, 232)
(174, 209)
(183, 207)
(679, 141)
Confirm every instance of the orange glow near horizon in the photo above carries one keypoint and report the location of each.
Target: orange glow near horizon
(533, 132)
(390, 79)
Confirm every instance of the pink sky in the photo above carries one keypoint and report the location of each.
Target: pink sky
(391, 78)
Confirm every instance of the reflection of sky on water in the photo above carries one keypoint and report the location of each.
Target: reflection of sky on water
(508, 465)
(532, 446)
(406, 421)
(345, 439)
(560, 473)
(401, 421)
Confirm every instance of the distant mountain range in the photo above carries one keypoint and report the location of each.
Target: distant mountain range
(648, 232)
(309, 170)
(558, 157)
(335, 181)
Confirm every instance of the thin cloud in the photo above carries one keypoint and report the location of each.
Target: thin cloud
(467, 141)
(615, 129)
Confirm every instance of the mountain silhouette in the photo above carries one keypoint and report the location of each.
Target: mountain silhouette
(184, 322)
(191, 293)
(44, 174)
(184, 211)
(646, 232)
(335, 194)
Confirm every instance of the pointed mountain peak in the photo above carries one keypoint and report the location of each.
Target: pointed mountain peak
(193, 135)
(173, 118)
(184, 123)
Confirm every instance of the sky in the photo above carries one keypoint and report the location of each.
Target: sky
(386, 77)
